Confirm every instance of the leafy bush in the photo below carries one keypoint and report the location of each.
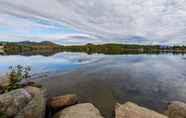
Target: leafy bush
(16, 74)
(3, 115)
(19, 73)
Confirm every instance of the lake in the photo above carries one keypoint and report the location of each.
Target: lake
(149, 80)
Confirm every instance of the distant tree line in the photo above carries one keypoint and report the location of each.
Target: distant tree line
(48, 47)
(12, 47)
(124, 48)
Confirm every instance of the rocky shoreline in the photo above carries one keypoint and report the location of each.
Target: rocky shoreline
(31, 101)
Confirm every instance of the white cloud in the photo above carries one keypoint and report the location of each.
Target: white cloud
(155, 20)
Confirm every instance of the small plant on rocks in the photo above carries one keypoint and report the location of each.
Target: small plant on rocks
(3, 115)
(16, 74)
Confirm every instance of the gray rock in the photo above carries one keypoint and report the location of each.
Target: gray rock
(62, 101)
(12, 102)
(131, 110)
(36, 107)
(176, 110)
(85, 110)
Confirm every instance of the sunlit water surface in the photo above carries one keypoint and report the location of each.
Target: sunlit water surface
(148, 80)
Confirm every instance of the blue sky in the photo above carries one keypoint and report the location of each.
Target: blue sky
(39, 31)
(43, 27)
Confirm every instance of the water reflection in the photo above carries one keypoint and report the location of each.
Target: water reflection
(149, 80)
(40, 64)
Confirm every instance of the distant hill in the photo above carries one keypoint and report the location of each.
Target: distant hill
(30, 43)
(36, 43)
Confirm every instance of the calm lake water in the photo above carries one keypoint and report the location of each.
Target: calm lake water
(148, 80)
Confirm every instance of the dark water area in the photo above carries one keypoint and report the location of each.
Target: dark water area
(150, 80)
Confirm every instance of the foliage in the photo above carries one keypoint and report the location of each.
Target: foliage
(17, 74)
(3, 115)
(12, 47)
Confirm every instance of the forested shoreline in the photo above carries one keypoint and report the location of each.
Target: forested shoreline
(43, 47)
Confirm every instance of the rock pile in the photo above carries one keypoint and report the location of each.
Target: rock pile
(30, 102)
(24, 103)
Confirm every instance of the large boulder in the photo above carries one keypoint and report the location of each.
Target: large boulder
(176, 110)
(62, 101)
(131, 110)
(36, 107)
(85, 110)
(13, 102)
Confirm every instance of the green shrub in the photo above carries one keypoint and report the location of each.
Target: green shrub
(3, 115)
(16, 74)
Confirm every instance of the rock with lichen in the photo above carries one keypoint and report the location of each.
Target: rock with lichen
(85, 110)
(131, 110)
(13, 102)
